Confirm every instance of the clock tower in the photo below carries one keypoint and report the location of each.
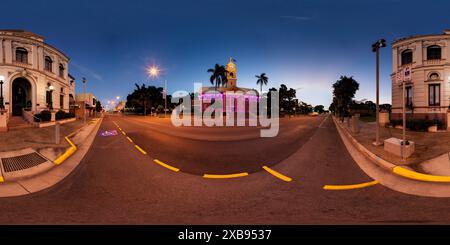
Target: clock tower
(231, 74)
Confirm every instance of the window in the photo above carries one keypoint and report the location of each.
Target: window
(434, 53)
(61, 70)
(408, 99)
(22, 55)
(434, 76)
(61, 101)
(48, 63)
(407, 57)
(434, 92)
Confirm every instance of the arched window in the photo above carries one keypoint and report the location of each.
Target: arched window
(48, 63)
(22, 55)
(407, 57)
(434, 52)
(61, 70)
(434, 76)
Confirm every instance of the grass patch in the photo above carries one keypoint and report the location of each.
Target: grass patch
(368, 119)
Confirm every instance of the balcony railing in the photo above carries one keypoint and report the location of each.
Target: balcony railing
(21, 64)
(433, 62)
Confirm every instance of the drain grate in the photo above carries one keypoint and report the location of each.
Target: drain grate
(12, 164)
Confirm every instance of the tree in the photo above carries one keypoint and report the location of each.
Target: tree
(344, 90)
(218, 76)
(98, 106)
(319, 109)
(262, 80)
(144, 97)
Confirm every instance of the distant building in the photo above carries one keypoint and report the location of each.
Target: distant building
(249, 94)
(428, 91)
(89, 100)
(36, 74)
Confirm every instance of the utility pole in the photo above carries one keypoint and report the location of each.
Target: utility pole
(165, 98)
(376, 48)
(84, 100)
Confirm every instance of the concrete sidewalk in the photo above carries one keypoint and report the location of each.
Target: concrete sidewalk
(45, 175)
(390, 175)
(431, 151)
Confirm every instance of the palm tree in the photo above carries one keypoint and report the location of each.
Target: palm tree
(143, 94)
(262, 80)
(218, 76)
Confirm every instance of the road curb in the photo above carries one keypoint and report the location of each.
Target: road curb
(395, 169)
(46, 179)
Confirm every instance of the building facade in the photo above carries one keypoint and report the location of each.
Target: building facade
(427, 89)
(230, 92)
(36, 74)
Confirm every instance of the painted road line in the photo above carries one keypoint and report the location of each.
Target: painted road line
(277, 174)
(418, 176)
(140, 149)
(320, 126)
(69, 152)
(2, 179)
(123, 132)
(129, 139)
(350, 187)
(224, 176)
(166, 165)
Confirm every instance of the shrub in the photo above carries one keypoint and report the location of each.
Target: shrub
(418, 124)
(63, 115)
(43, 116)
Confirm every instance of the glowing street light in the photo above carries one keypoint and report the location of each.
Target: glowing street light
(153, 71)
(118, 98)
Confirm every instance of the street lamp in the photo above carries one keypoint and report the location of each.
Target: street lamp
(376, 49)
(2, 105)
(50, 99)
(154, 72)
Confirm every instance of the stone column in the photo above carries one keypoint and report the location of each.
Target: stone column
(3, 120)
(448, 120)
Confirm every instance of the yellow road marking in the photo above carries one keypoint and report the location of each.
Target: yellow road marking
(123, 133)
(350, 187)
(224, 176)
(129, 139)
(166, 165)
(2, 179)
(140, 149)
(69, 152)
(418, 176)
(277, 174)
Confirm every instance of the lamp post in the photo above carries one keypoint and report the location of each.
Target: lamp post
(84, 100)
(2, 104)
(154, 72)
(376, 49)
(50, 99)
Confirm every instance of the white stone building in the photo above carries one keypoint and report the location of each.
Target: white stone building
(36, 74)
(428, 91)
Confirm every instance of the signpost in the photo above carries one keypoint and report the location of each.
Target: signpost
(403, 76)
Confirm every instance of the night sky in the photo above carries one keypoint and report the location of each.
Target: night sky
(304, 44)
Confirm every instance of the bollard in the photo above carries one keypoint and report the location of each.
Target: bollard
(57, 133)
(355, 124)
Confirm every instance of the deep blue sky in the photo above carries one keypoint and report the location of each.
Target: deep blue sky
(305, 44)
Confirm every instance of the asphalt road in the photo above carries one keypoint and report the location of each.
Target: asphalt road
(116, 183)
